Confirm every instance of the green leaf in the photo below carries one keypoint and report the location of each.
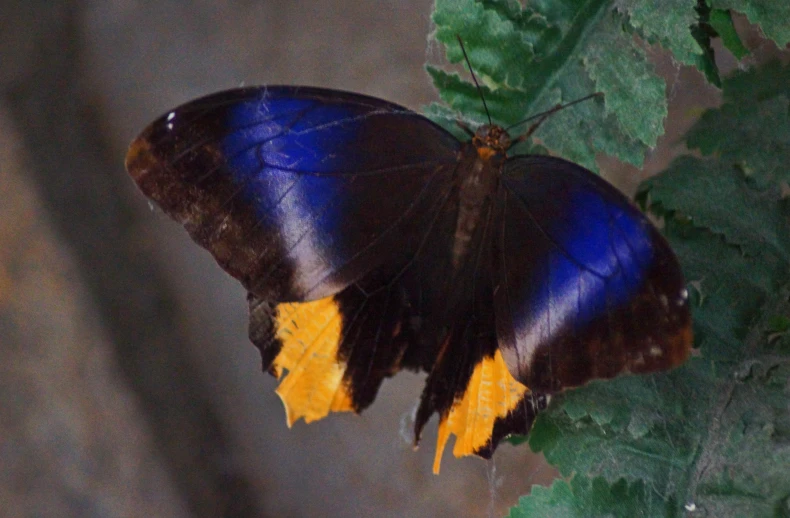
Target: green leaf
(703, 33)
(633, 91)
(584, 498)
(759, 155)
(721, 21)
(670, 23)
(714, 190)
(767, 82)
(771, 15)
(630, 427)
(714, 434)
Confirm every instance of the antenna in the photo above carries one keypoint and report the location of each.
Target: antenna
(474, 78)
(540, 116)
(545, 115)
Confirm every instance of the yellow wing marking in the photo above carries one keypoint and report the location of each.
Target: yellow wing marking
(492, 392)
(313, 386)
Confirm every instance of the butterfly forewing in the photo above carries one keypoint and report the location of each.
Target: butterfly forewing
(297, 192)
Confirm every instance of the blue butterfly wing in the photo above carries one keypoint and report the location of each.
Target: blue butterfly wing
(333, 209)
(586, 287)
(297, 192)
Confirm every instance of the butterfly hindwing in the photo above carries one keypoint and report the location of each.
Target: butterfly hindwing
(586, 286)
(332, 354)
(297, 192)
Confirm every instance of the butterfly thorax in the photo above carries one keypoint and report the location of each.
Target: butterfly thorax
(478, 178)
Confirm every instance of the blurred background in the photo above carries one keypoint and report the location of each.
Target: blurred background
(128, 386)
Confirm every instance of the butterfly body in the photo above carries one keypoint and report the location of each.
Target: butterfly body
(371, 240)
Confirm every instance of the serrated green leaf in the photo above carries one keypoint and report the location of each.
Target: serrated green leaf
(721, 21)
(743, 466)
(497, 37)
(715, 190)
(770, 15)
(743, 469)
(576, 443)
(616, 65)
(734, 288)
(737, 134)
(703, 33)
(769, 81)
(586, 498)
(668, 23)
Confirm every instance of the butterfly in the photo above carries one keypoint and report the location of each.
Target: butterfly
(371, 240)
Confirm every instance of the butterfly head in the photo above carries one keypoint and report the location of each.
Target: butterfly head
(491, 140)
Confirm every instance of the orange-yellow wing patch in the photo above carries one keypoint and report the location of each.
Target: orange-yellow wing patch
(492, 393)
(310, 333)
